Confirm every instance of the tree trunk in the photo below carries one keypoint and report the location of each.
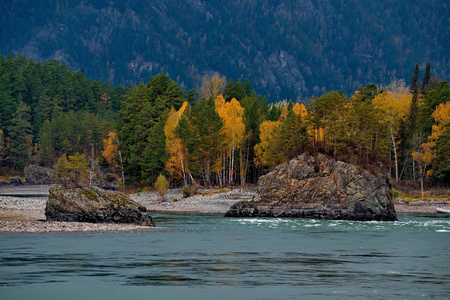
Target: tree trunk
(394, 147)
(421, 169)
(121, 169)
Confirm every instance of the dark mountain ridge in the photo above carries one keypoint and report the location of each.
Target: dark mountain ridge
(285, 48)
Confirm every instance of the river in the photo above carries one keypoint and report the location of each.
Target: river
(210, 257)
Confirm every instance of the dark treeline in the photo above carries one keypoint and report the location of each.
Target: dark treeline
(47, 109)
(224, 134)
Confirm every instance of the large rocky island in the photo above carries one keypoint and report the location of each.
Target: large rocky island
(319, 187)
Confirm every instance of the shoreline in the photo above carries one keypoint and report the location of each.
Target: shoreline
(56, 226)
(22, 211)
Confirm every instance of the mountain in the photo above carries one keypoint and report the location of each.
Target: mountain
(288, 49)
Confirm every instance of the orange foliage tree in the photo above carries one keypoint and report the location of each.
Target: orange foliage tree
(111, 153)
(232, 114)
(176, 165)
(392, 109)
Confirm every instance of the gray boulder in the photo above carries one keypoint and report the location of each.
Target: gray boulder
(15, 181)
(94, 205)
(320, 188)
(39, 175)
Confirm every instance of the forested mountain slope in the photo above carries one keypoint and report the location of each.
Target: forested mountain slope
(285, 48)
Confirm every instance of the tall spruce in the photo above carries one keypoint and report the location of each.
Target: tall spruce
(202, 131)
(426, 79)
(141, 126)
(21, 140)
(414, 107)
(409, 137)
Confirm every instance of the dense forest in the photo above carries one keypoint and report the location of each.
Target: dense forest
(222, 135)
(287, 49)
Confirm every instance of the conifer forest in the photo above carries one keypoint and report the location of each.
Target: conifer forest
(223, 133)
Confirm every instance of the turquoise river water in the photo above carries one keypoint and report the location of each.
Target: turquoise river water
(210, 257)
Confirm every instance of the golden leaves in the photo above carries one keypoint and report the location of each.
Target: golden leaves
(392, 107)
(175, 148)
(300, 110)
(427, 154)
(110, 148)
(232, 114)
(269, 133)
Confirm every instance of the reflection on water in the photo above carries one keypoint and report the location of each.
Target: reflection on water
(205, 257)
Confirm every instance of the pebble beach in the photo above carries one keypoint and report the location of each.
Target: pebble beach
(27, 214)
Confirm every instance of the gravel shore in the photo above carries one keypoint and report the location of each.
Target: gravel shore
(52, 226)
(205, 202)
(420, 207)
(27, 214)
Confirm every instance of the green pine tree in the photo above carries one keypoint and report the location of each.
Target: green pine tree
(19, 133)
(426, 79)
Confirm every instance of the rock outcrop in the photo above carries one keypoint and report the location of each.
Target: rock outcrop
(320, 188)
(15, 181)
(39, 175)
(94, 205)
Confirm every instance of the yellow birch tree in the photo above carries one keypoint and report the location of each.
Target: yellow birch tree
(427, 153)
(111, 152)
(265, 151)
(177, 154)
(392, 109)
(232, 114)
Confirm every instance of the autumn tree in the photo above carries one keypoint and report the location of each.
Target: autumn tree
(161, 185)
(392, 109)
(175, 147)
(212, 85)
(427, 153)
(283, 139)
(441, 166)
(232, 114)
(266, 152)
(112, 153)
(300, 110)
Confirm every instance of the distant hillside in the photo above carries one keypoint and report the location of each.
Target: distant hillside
(285, 48)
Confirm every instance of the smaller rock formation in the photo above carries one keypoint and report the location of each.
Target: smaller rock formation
(320, 188)
(15, 181)
(94, 205)
(39, 175)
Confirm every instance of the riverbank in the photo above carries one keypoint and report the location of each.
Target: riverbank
(420, 207)
(22, 211)
(212, 201)
(53, 226)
